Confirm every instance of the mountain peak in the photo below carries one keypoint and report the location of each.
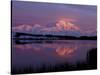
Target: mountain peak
(63, 24)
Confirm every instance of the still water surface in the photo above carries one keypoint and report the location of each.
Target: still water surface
(36, 54)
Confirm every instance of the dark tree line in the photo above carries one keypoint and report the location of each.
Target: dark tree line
(51, 37)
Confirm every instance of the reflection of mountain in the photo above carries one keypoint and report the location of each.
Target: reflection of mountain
(65, 51)
(62, 50)
(89, 64)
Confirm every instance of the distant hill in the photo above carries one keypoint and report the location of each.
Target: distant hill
(20, 35)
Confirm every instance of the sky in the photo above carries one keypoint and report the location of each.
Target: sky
(54, 18)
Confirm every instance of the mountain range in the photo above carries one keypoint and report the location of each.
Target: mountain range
(55, 28)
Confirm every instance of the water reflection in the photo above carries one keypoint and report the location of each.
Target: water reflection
(62, 51)
(26, 47)
(57, 52)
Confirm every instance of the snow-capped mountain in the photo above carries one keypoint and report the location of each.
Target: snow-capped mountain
(60, 27)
